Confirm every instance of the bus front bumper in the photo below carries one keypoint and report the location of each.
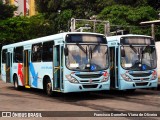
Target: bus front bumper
(77, 87)
(139, 84)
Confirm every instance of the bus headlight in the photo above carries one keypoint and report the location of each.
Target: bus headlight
(105, 79)
(106, 76)
(154, 75)
(126, 77)
(71, 79)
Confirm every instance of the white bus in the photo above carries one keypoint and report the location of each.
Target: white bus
(65, 62)
(133, 62)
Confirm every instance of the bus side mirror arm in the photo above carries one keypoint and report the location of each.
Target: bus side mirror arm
(122, 52)
(66, 51)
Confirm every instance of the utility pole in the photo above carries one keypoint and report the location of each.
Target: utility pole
(73, 24)
(153, 30)
(94, 21)
(152, 23)
(107, 29)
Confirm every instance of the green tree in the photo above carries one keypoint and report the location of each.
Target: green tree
(154, 3)
(80, 8)
(62, 19)
(23, 28)
(6, 11)
(133, 3)
(128, 17)
(61, 11)
(48, 7)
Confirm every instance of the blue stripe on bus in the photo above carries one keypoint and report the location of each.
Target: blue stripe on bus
(34, 75)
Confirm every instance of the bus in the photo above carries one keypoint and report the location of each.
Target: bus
(133, 62)
(158, 58)
(64, 62)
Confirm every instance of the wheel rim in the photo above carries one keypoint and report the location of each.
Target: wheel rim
(49, 88)
(16, 83)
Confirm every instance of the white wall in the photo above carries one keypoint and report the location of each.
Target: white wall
(21, 7)
(158, 57)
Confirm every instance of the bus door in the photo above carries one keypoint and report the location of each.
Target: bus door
(114, 67)
(26, 59)
(8, 67)
(56, 67)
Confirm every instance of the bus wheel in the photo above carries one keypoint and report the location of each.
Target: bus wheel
(16, 86)
(49, 88)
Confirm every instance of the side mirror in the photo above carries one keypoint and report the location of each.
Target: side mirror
(152, 49)
(122, 52)
(66, 51)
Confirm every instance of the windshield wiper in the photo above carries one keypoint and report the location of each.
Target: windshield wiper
(96, 46)
(138, 52)
(90, 52)
(134, 49)
(81, 47)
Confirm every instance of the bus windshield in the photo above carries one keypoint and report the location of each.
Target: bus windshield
(87, 57)
(139, 58)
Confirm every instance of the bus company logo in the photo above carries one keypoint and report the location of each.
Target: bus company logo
(90, 80)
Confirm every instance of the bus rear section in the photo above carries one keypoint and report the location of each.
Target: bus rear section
(65, 62)
(133, 62)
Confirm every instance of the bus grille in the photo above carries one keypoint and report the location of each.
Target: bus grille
(140, 74)
(90, 86)
(89, 76)
(89, 81)
(137, 79)
(142, 84)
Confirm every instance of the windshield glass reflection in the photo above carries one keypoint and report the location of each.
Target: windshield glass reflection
(85, 57)
(139, 58)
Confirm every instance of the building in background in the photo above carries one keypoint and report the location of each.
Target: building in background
(24, 7)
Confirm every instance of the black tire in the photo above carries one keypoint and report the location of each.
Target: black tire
(16, 85)
(48, 87)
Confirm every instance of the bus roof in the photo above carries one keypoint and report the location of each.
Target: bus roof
(46, 38)
(117, 37)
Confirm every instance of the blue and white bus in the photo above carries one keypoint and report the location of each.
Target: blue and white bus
(133, 62)
(65, 62)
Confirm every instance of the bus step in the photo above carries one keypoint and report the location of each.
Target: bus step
(57, 90)
(27, 86)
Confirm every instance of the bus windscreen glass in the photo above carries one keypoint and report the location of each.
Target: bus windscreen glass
(87, 57)
(140, 54)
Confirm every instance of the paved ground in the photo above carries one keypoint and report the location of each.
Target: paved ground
(36, 100)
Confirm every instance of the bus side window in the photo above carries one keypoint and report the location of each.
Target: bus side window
(18, 55)
(36, 52)
(47, 54)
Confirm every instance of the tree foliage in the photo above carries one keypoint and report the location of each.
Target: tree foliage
(6, 11)
(127, 14)
(128, 17)
(22, 28)
(79, 8)
(54, 17)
